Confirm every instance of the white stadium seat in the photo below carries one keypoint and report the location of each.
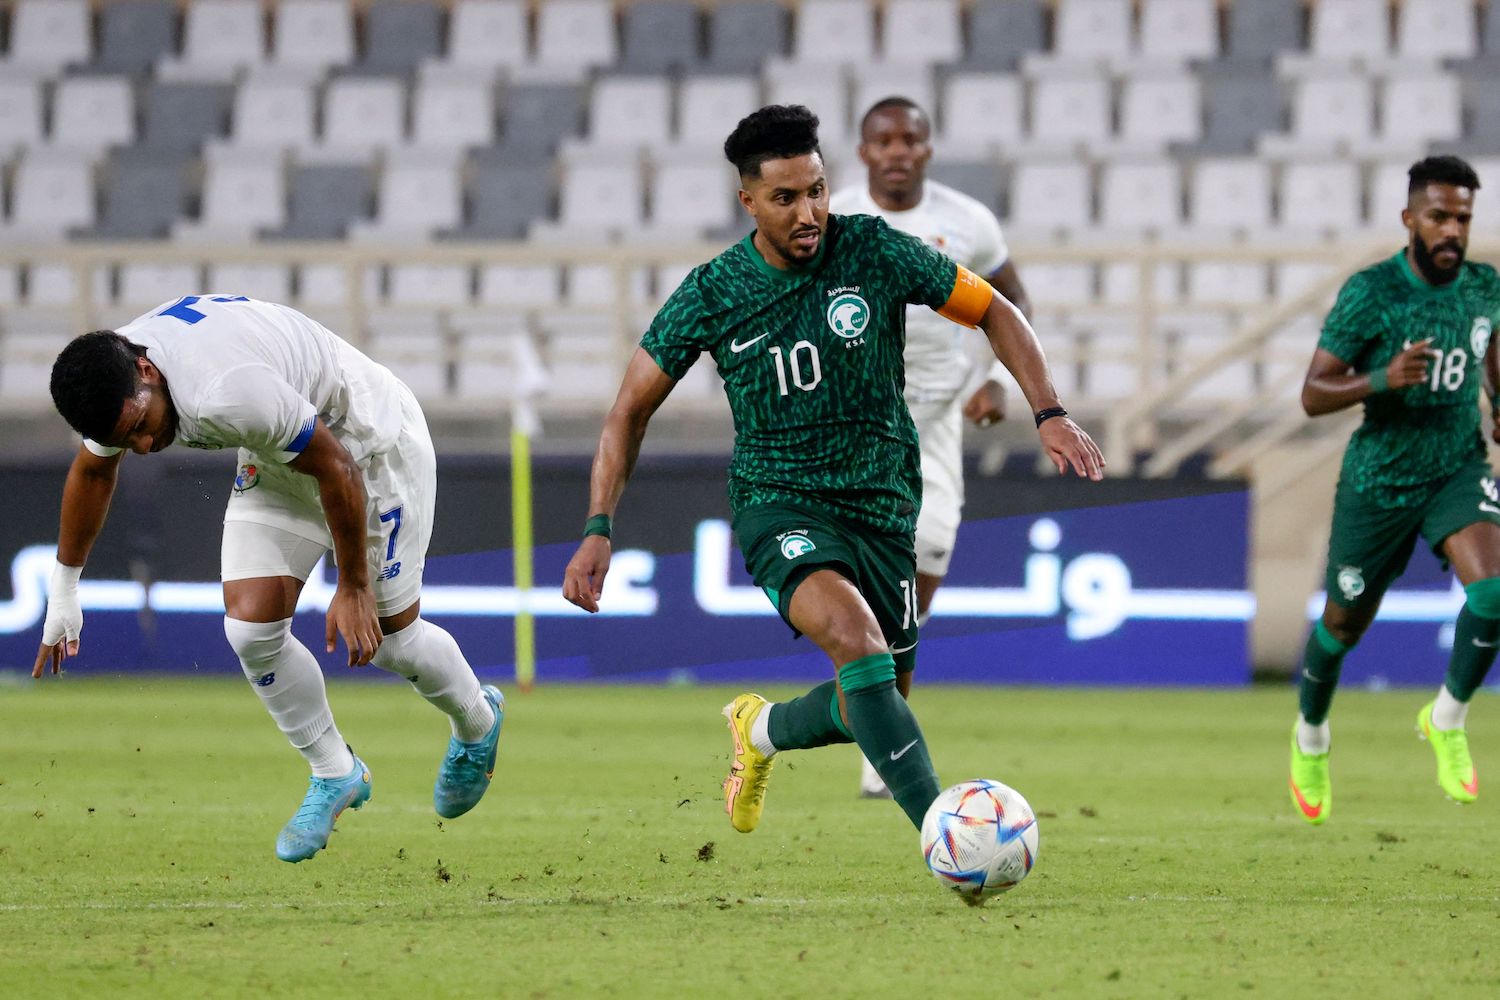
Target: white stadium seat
(51, 192)
(877, 81)
(1048, 196)
(1318, 198)
(924, 30)
(1093, 29)
(145, 285)
(268, 282)
(1329, 112)
(1421, 109)
(1136, 198)
(361, 114)
(822, 87)
(488, 34)
(242, 195)
(1350, 29)
(1179, 30)
(444, 285)
(602, 200)
(273, 114)
(313, 36)
(453, 114)
(834, 31)
(518, 286)
(706, 103)
(92, 113)
(220, 39)
(631, 113)
(1070, 111)
(980, 114)
(20, 115)
(1156, 111)
(1437, 29)
(573, 36)
(418, 196)
(1231, 195)
(690, 198)
(46, 36)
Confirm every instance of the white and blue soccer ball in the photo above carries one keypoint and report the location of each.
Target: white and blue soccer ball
(979, 838)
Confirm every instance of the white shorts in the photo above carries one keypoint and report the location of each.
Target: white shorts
(274, 523)
(941, 438)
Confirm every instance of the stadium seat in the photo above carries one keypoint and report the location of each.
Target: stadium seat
(145, 285)
(220, 38)
(597, 201)
(413, 344)
(313, 36)
(1001, 32)
(979, 180)
(1092, 30)
(1437, 29)
(1221, 283)
(707, 107)
(26, 355)
(574, 36)
(1241, 106)
(244, 193)
(144, 193)
(444, 285)
(1260, 31)
(1388, 189)
(20, 115)
(1157, 111)
(1418, 110)
(743, 34)
(1328, 113)
(537, 117)
(272, 114)
(630, 113)
(1120, 283)
(400, 35)
(488, 35)
(418, 195)
(180, 117)
(504, 199)
(1320, 198)
(1140, 198)
(47, 36)
(660, 36)
(363, 114)
(597, 285)
(267, 282)
(325, 199)
(1112, 362)
(690, 199)
(821, 87)
(92, 113)
(879, 80)
(520, 286)
(487, 358)
(921, 31)
(134, 34)
(1482, 115)
(453, 114)
(1179, 30)
(980, 115)
(51, 193)
(1068, 112)
(1350, 29)
(1290, 278)
(1048, 197)
(834, 31)
(1230, 196)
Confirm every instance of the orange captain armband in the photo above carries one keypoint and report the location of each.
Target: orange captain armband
(969, 300)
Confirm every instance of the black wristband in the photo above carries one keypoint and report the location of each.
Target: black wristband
(1042, 416)
(597, 525)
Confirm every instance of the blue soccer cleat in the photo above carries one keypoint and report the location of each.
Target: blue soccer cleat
(467, 768)
(307, 832)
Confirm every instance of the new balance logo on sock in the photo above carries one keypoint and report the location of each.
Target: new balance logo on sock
(898, 754)
(266, 680)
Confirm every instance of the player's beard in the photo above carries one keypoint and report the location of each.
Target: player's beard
(794, 254)
(1431, 272)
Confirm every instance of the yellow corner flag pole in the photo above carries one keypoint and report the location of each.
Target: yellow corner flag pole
(529, 383)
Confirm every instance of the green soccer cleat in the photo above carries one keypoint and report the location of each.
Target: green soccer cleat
(306, 833)
(1455, 767)
(749, 769)
(1312, 793)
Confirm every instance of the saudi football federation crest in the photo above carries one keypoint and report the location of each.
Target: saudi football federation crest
(1479, 336)
(796, 543)
(1351, 582)
(848, 314)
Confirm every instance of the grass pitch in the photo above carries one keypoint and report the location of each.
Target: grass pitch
(137, 820)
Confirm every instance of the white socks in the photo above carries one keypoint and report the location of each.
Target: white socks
(1313, 739)
(1448, 712)
(870, 781)
(430, 659)
(760, 733)
(289, 682)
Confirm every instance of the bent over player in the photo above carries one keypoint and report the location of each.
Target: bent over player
(945, 381)
(333, 453)
(805, 320)
(1409, 338)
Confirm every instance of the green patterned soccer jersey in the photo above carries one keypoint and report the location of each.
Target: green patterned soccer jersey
(812, 364)
(1415, 437)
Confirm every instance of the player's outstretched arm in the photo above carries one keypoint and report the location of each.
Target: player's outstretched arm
(351, 612)
(1332, 384)
(643, 390)
(85, 503)
(1015, 344)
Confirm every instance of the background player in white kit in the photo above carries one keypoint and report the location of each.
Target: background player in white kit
(948, 378)
(333, 453)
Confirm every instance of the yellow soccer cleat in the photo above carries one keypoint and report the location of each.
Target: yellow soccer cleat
(749, 769)
(1312, 792)
(1455, 767)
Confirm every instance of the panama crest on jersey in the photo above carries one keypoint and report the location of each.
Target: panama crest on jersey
(246, 478)
(1479, 336)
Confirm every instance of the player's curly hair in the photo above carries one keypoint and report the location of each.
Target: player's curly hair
(92, 378)
(775, 132)
(1442, 170)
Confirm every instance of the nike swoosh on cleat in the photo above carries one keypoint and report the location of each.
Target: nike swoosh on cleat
(1310, 811)
(736, 347)
(1472, 785)
(1490, 508)
(1483, 645)
(898, 754)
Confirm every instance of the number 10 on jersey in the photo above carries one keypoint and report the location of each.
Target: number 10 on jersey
(806, 367)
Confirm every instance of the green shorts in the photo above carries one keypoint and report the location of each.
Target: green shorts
(783, 543)
(1370, 543)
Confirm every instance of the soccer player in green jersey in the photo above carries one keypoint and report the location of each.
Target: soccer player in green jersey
(805, 318)
(1409, 338)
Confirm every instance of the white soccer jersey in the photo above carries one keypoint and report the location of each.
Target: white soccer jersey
(937, 365)
(243, 373)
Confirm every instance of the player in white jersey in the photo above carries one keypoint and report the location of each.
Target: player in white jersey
(333, 454)
(946, 383)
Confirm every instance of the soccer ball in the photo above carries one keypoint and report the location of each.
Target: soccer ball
(979, 838)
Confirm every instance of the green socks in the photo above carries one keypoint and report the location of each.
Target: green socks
(887, 732)
(1474, 639)
(809, 721)
(1321, 662)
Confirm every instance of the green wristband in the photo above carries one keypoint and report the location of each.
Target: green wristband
(596, 525)
(1379, 381)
